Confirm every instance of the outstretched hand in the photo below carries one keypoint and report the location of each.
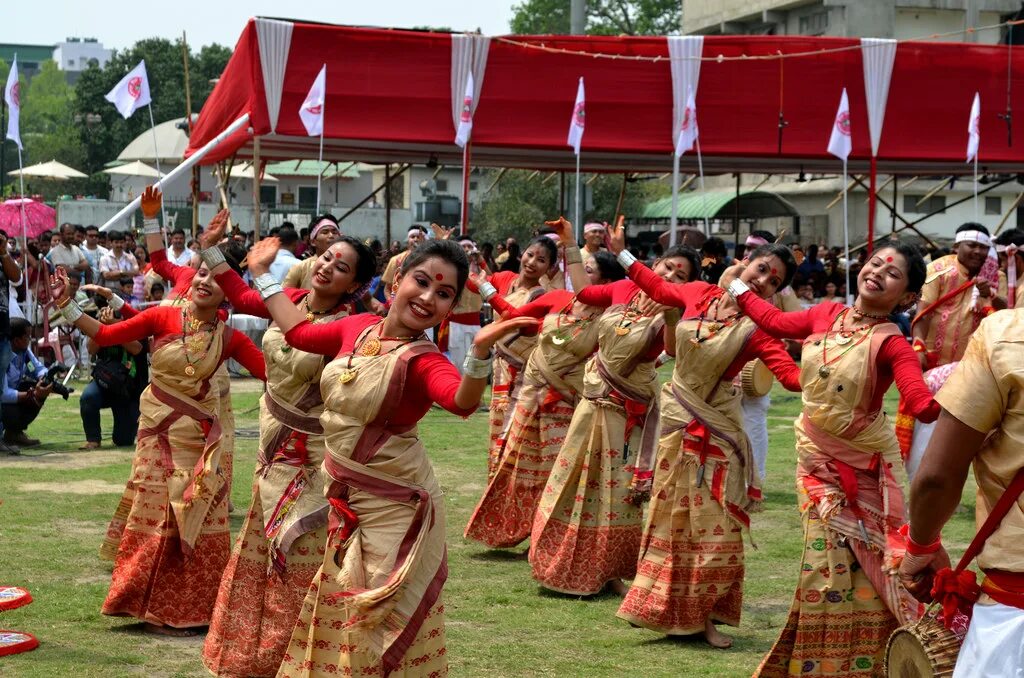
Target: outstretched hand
(152, 198)
(492, 333)
(440, 232)
(59, 284)
(214, 232)
(563, 229)
(104, 292)
(262, 255)
(617, 236)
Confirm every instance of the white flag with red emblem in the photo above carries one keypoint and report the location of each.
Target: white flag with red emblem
(466, 115)
(688, 127)
(974, 129)
(12, 95)
(132, 93)
(312, 110)
(840, 143)
(578, 121)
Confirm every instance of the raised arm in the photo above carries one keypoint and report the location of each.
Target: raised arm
(147, 323)
(573, 257)
(658, 289)
(771, 351)
(243, 298)
(152, 199)
(114, 302)
(792, 325)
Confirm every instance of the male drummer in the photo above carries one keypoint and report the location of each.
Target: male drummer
(982, 422)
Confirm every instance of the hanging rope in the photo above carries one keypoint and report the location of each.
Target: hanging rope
(742, 57)
(782, 119)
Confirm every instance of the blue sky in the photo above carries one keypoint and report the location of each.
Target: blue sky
(120, 23)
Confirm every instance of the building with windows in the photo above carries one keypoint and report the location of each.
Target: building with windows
(74, 55)
(900, 19)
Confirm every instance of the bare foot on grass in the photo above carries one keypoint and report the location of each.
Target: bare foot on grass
(619, 587)
(162, 630)
(716, 638)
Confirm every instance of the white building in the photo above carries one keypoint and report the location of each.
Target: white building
(75, 54)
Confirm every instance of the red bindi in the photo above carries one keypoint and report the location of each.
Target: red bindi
(775, 271)
(888, 260)
(439, 277)
(337, 255)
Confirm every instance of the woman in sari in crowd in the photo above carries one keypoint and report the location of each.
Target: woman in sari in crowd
(543, 404)
(539, 259)
(374, 607)
(690, 570)
(284, 537)
(179, 293)
(849, 471)
(586, 530)
(175, 543)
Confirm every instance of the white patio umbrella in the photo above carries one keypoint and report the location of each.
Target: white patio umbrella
(133, 169)
(49, 170)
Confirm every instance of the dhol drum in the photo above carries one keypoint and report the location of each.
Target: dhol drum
(925, 648)
(756, 379)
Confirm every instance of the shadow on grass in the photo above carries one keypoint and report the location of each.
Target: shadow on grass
(603, 594)
(498, 556)
(138, 629)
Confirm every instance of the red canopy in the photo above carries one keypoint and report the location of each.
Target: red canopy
(389, 99)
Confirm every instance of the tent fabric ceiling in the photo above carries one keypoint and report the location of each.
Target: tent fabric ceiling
(711, 204)
(389, 100)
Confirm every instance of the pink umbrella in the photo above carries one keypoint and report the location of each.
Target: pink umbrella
(39, 217)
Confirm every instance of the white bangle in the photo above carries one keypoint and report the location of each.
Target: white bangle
(115, 302)
(212, 256)
(151, 226)
(487, 290)
(477, 368)
(267, 285)
(737, 288)
(71, 312)
(626, 258)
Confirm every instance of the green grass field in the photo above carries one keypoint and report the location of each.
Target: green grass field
(57, 502)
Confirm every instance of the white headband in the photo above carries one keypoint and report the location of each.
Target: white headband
(593, 226)
(555, 237)
(323, 223)
(974, 236)
(754, 241)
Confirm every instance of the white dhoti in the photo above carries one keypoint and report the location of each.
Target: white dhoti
(755, 422)
(460, 340)
(994, 646)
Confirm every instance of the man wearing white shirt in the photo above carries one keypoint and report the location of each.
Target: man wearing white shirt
(117, 264)
(179, 254)
(285, 259)
(67, 254)
(93, 251)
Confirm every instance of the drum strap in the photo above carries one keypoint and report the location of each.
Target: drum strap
(957, 590)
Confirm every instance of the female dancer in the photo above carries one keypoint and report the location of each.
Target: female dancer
(284, 537)
(374, 607)
(586, 531)
(175, 543)
(544, 403)
(849, 470)
(690, 570)
(540, 258)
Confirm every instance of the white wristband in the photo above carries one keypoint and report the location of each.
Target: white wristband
(737, 287)
(212, 256)
(487, 290)
(115, 302)
(71, 312)
(475, 368)
(151, 226)
(626, 258)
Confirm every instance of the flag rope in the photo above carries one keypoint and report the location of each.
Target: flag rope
(156, 156)
(24, 241)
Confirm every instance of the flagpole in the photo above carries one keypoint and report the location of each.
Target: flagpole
(674, 219)
(703, 193)
(319, 166)
(579, 224)
(976, 188)
(24, 243)
(156, 155)
(846, 240)
(464, 218)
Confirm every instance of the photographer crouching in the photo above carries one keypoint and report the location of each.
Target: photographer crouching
(29, 384)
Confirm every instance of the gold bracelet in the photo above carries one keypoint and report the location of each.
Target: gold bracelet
(66, 302)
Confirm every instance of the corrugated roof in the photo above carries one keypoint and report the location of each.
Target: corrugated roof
(311, 168)
(697, 205)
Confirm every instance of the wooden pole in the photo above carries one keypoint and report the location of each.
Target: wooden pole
(188, 124)
(622, 197)
(1002, 222)
(387, 203)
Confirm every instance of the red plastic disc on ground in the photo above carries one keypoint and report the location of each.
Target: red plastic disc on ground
(14, 642)
(12, 597)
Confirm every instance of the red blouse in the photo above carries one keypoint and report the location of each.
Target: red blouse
(244, 299)
(546, 304)
(693, 299)
(612, 294)
(179, 276)
(164, 322)
(431, 377)
(896, 359)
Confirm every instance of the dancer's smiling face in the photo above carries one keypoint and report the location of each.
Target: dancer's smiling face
(426, 294)
(334, 273)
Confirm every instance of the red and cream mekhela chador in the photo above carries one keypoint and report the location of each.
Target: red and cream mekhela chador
(284, 537)
(509, 360)
(586, 531)
(175, 542)
(706, 480)
(374, 608)
(179, 279)
(542, 408)
(848, 480)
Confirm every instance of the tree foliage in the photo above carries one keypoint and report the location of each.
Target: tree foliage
(604, 17)
(523, 200)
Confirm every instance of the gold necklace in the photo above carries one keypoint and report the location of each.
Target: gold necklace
(370, 348)
(192, 341)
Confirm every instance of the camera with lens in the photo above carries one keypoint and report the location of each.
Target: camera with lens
(53, 378)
